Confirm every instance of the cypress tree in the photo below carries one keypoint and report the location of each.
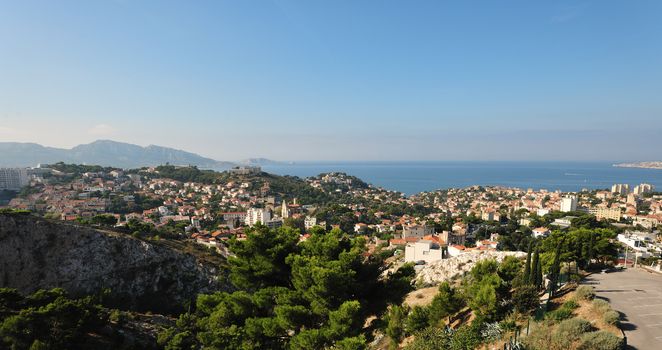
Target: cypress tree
(538, 270)
(527, 266)
(534, 266)
(556, 268)
(590, 250)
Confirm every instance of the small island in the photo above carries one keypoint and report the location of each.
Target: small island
(644, 165)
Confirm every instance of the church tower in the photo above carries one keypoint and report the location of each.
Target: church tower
(284, 211)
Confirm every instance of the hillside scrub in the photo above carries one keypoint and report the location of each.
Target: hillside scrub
(601, 340)
(579, 323)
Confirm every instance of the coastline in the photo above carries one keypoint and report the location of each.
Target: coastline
(640, 165)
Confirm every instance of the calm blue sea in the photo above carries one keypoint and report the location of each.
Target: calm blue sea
(414, 177)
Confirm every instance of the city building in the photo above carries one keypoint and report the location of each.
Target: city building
(643, 188)
(423, 250)
(255, 215)
(245, 170)
(487, 216)
(568, 203)
(622, 189)
(13, 179)
(541, 232)
(233, 218)
(309, 222)
(635, 243)
(416, 231)
(647, 221)
(453, 237)
(564, 222)
(606, 213)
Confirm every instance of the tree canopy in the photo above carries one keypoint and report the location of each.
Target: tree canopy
(289, 294)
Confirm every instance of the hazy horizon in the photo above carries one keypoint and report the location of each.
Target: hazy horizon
(338, 81)
(367, 161)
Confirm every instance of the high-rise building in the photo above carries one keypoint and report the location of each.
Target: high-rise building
(620, 189)
(255, 215)
(568, 203)
(643, 188)
(13, 179)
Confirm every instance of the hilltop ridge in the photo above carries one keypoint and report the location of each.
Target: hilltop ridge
(105, 153)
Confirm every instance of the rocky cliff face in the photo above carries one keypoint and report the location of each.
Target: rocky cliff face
(36, 253)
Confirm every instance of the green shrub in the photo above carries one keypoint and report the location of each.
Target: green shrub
(559, 314)
(585, 293)
(466, 337)
(508, 325)
(570, 304)
(430, 338)
(601, 306)
(557, 342)
(611, 317)
(572, 328)
(117, 316)
(563, 312)
(600, 340)
(417, 320)
(539, 338)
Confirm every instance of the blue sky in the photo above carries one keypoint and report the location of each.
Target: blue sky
(338, 80)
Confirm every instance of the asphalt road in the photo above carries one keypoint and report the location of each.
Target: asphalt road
(637, 295)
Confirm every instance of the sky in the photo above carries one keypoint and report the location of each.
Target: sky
(338, 80)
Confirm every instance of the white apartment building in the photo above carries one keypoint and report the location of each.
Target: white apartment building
(643, 188)
(13, 179)
(568, 203)
(255, 215)
(423, 250)
(309, 222)
(635, 243)
(542, 211)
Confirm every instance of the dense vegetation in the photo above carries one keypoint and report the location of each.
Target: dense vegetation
(495, 293)
(287, 187)
(310, 295)
(49, 319)
(78, 169)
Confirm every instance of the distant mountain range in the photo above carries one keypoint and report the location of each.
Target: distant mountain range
(105, 153)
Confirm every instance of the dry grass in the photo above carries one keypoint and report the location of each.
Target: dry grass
(421, 297)
(587, 312)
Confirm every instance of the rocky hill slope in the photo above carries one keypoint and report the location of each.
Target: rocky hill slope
(37, 253)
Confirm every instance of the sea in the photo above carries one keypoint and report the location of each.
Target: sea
(411, 177)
